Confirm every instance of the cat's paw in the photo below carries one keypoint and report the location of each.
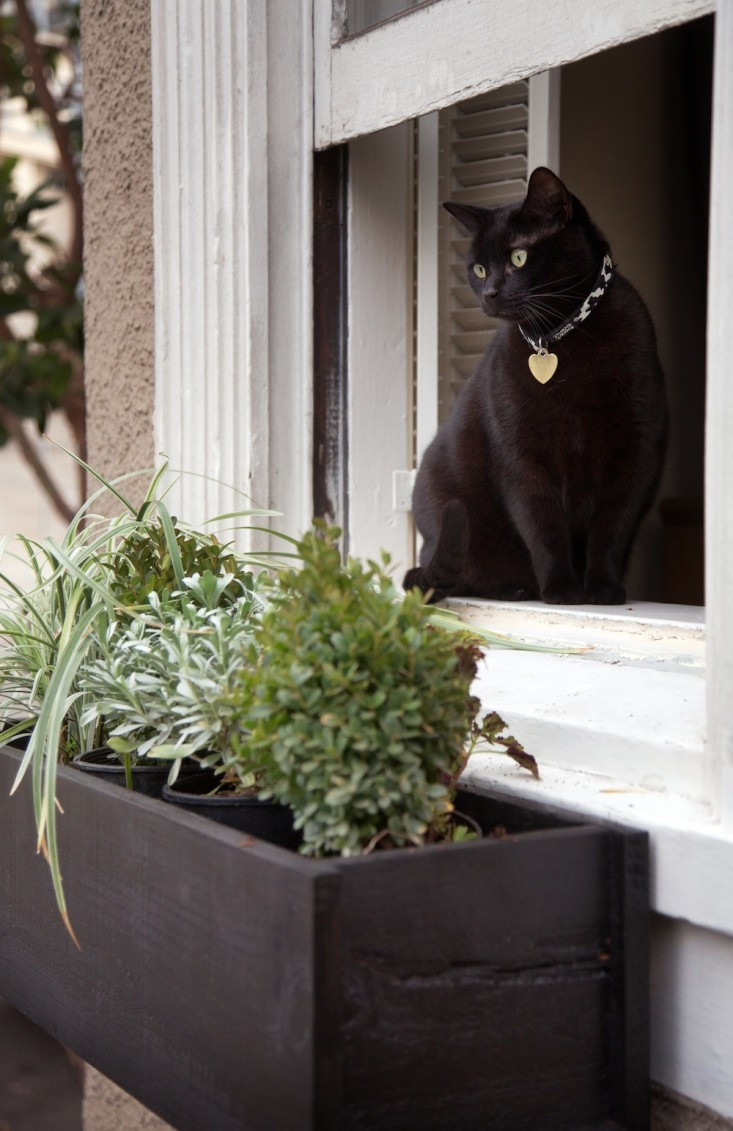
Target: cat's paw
(510, 592)
(415, 579)
(564, 593)
(605, 591)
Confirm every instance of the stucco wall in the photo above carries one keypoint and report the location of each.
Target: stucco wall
(107, 1108)
(118, 273)
(118, 259)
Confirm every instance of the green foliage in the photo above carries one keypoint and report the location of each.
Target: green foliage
(41, 356)
(35, 370)
(159, 682)
(72, 612)
(157, 558)
(359, 709)
(59, 55)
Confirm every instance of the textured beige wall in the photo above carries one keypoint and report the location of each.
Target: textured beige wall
(108, 1108)
(118, 271)
(118, 258)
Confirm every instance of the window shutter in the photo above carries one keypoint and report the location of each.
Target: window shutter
(483, 146)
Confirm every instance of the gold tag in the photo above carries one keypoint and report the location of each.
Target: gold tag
(542, 365)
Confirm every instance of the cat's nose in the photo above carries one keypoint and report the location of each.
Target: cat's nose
(491, 289)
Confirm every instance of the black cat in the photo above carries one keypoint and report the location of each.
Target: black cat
(537, 483)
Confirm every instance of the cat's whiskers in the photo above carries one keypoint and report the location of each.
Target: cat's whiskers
(580, 281)
(546, 308)
(538, 314)
(534, 320)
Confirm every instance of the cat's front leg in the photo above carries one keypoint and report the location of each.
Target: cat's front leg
(563, 591)
(609, 539)
(540, 518)
(603, 585)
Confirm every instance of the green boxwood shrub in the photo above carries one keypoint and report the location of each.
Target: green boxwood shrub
(359, 709)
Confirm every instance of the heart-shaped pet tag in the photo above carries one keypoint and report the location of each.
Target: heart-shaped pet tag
(542, 365)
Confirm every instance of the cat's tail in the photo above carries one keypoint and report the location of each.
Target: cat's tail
(441, 577)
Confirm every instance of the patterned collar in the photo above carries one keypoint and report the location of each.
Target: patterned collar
(590, 303)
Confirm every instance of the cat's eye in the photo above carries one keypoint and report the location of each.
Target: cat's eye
(519, 257)
(479, 271)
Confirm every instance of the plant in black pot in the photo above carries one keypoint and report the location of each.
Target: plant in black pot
(357, 709)
(79, 596)
(177, 635)
(161, 685)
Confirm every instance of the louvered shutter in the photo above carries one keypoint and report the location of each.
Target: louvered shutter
(483, 146)
(475, 152)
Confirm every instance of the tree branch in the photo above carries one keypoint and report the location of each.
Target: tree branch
(14, 428)
(48, 105)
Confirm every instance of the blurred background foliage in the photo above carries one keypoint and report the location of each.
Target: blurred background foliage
(41, 227)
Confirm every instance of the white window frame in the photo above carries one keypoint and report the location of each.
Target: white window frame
(233, 218)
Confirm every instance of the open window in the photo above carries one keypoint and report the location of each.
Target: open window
(627, 719)
(647, 186)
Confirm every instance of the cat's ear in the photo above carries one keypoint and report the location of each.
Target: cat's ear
(547, 197)
(472, 218)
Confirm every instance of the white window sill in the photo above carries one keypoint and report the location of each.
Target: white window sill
(618, 731)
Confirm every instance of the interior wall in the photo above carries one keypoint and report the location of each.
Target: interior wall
(634, 146)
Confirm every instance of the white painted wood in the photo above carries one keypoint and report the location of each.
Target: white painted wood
(656, 635)
(167, 179)
(290, 259)
(627, 698)
(543, 135)
(719, 426)
(232, 282)
(325, 37)
(692, 1014)
(637, 724)
(426, 369)
(211, 261)
(452, 49)
(380, 340)
(403, 484)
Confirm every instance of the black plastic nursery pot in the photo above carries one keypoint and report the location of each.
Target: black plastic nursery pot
(147, 777)
(228, 983)
(266, 820)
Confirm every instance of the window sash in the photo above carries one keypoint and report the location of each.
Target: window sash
(427, 58)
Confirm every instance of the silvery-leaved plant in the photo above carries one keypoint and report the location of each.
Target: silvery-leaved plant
(159, 683)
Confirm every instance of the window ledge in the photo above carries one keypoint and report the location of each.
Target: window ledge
(659, 635)
(618, 730)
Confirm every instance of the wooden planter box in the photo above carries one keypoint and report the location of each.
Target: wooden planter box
(500, 984)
